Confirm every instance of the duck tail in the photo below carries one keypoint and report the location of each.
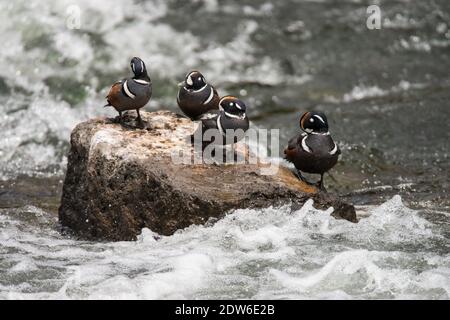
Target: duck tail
(108, 104)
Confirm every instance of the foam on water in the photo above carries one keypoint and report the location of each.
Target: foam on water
(363, 92)
(263, 254)
(56, 76)
(52, 77)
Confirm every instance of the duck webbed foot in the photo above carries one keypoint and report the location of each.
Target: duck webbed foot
(319, 184)
(118, 119)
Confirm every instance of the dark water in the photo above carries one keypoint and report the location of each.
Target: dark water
(386, 94)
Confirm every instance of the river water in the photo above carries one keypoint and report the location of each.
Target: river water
(387, 98)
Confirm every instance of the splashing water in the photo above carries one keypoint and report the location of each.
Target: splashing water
(272, 253)
(285, 57)
(55, 76)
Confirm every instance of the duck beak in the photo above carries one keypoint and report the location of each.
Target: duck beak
(180, 84)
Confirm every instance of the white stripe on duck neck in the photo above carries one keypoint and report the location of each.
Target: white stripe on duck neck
(141, 81)
(201, 89)
(235, 116)
(309, 131)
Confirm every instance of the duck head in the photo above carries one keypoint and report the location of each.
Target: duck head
(314, 122)
(138, 67)
(194, 80)
(233, 107)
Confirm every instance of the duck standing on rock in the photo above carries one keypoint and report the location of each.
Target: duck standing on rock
(131, 93)
(196, 97)
(313, 151)
(230, 118)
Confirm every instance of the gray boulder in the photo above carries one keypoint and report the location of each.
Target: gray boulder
(121, 179)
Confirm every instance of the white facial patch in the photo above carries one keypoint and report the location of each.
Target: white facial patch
(189, 81)
(311, 120)
(320, 118)
(238, 106)
(142, 66)
(220, 104)
(133, 67)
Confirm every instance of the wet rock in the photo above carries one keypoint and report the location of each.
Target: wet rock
(121, 179)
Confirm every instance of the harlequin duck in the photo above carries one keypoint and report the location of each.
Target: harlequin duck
(313, 151)
(196, 97)
(230, 117)
(131, 93)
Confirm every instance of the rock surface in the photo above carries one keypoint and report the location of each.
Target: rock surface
(121, 179)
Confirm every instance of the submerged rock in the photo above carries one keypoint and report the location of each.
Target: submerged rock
(121, 179)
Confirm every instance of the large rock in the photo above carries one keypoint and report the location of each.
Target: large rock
(121, 179)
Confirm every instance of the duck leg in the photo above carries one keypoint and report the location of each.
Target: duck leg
(120, 117)
(321, 186)
(139, 119)
(301, 177)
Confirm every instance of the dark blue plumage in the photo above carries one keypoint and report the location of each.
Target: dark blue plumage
(313, 151)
